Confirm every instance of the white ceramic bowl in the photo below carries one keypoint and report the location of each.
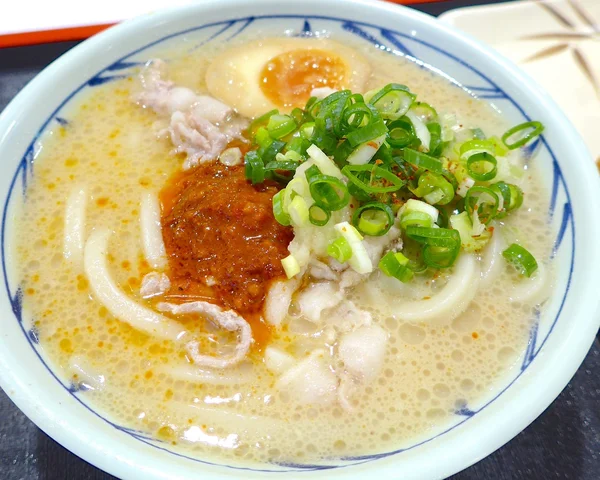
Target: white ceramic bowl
(558, 343)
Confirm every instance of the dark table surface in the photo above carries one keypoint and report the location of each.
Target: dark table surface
(563, 443)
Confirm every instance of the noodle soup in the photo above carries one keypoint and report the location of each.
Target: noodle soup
(165, 288)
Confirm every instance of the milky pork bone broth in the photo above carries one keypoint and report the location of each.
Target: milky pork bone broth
(155, 272)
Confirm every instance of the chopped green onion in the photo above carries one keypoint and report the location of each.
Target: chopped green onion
(268, 148)
(483, 203)
(307, 130)
(516, 197)
(413, 205)
(374, 219)
(262, 138)
(298, 211)
(298, 145)
(392, 101)
(396, 265)
(442, 245)
(340, 250)
(443, 219)
(290, 265)
(463, 225)
(374, 129)
(434, 188)
(401, 133)
(360, 260)
(425, 112)
(280, 125)
(521, 259)
(282, 165)
(435, 144)
(526, 131)
(298, 115)
(342, 152)
(512, 196)
(261, 121)
(415, 219)
(278, 211)
(482, 166)
(254, 167)
(422, 160)
(374, 173)
(356, 115)
(318, 216)
(365, 152)
(421, 130)
(324, 139)
(328, 192)
(325, 164)
(289, 156)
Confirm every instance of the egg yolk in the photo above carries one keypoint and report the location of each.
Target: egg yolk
(288, 78)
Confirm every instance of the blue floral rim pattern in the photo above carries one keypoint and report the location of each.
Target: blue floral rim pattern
(392, 41)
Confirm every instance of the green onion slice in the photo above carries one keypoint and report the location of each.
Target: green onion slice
(392, 101)
(254, 167)
(367, 133)
(374, 219)
(373, 129)
(278, 211)
(435, 143)
(261, 121)
(521, 259)
(318, 215)
(525, 132)
(356, 173)
(512, 196)
(484, 201)
(401, 133)
(340, 249)
(328, 192)
(396, 265)
(422, 160)
(482, 166)
(442, 245)
(269, 150)
(355, 115)
(434, 188)
(415, 219)
(425, 112)
(477, 145)
(280, 125)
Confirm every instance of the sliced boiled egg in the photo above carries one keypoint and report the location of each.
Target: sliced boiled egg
(281, 72)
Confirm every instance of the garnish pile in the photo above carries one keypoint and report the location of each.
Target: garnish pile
(390, 160)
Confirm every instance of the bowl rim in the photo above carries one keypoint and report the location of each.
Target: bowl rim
(542, 396)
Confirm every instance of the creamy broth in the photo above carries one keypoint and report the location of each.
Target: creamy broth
(430, 371)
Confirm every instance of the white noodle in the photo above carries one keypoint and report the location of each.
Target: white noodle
(154, 247)
(492, 261)
(86, 374)
(75, 225)
(531, 290)
(117, 303)
(450, 301)
(190, 373)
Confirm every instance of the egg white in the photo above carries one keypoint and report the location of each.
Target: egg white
(234, 76)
